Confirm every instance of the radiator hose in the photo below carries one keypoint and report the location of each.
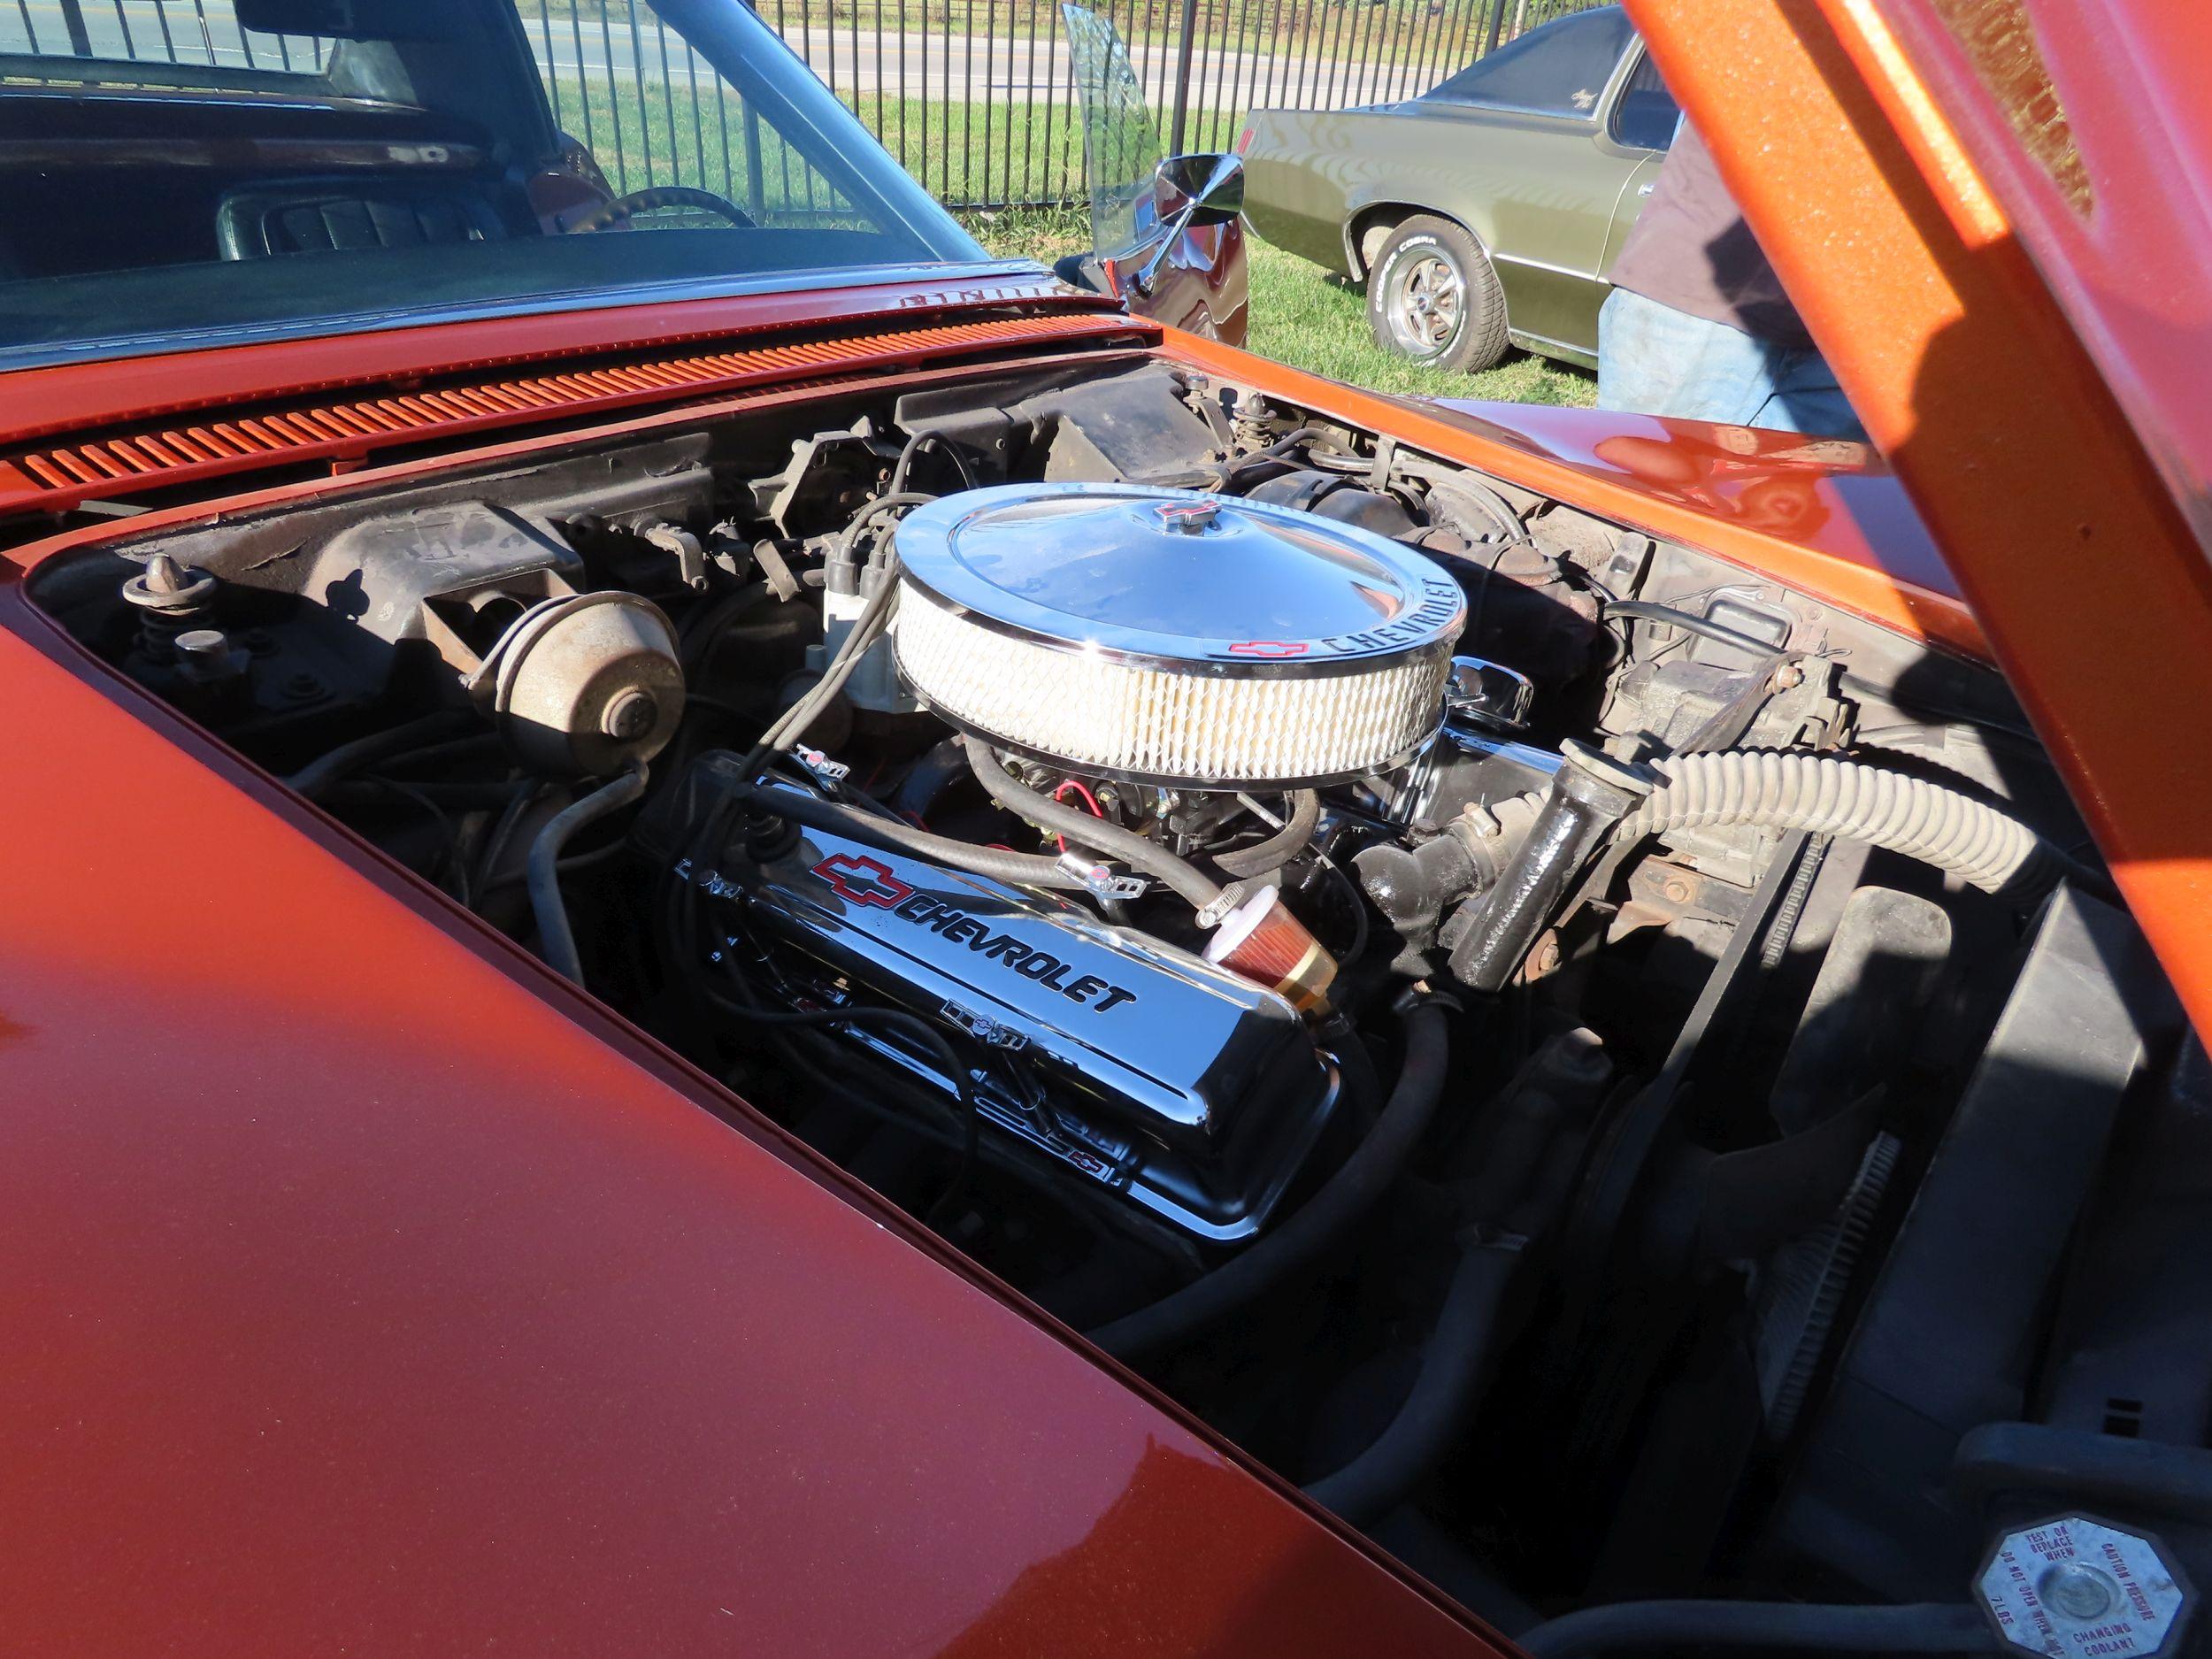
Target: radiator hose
(1817, 794)
(1454, 1365)
(1356, 1189)
(1923, 820)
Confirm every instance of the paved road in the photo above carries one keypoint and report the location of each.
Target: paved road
(966, 68)
(974, 68)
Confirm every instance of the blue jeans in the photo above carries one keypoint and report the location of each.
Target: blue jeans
(1654, 360)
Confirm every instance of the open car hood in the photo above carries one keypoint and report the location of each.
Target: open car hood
(1994, 215)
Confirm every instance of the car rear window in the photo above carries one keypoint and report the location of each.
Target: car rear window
(1559, 69)
(153, 43)
(1646, 115)
(175, 172)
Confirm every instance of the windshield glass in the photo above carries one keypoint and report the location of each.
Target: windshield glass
(1560, 69)
(1121, 146)
(185, 169)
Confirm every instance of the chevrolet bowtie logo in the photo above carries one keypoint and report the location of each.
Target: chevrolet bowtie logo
(1186, 518)
(863, 880)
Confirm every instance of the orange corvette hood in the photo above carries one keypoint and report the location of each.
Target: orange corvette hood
(1996, 216)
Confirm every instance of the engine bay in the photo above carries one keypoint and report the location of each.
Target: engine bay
(1621, 1079)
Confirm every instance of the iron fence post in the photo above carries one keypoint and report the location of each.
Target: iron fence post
(755, 183)
(1182, 76)
(73, 20)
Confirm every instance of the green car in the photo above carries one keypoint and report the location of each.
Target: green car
(1487, 212)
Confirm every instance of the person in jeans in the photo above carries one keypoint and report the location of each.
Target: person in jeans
(1697, 324)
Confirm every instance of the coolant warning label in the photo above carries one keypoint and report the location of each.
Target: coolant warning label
(2076, 1588)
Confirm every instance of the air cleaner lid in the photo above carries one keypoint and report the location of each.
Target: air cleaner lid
(1175, 578)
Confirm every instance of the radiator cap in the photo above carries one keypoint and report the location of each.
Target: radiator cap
(2076, 1587)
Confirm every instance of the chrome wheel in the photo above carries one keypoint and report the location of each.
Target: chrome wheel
(1433, 296)
(1427, 301)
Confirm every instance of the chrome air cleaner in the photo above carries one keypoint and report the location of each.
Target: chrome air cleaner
(1172, 637)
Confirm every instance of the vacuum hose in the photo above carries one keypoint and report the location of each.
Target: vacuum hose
(556, 940)
(1919, 1627)
(1923, 820)
(895, 834)
(1294, 836)
(1139, 852)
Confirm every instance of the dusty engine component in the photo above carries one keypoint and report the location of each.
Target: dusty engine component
(1168, 637)
(585, 686)
(1177, 1084)
(476, 600)
(1137, 425)
(433, 590)
(171, 603)
(1335, 497)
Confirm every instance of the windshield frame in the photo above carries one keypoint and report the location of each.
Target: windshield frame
(119, 348)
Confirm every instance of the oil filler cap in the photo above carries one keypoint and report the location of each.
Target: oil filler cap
(2076, 1587)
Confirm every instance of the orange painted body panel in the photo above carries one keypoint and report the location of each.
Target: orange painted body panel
(1902, 213)
(370, 1287)
(1820, 517)
(1824, 518)
(135, 456)
(2089, 126)
(370, 1290)
(80, 397)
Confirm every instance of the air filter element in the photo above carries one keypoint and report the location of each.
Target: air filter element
(1171, 637)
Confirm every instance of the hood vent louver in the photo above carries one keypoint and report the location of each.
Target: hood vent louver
(50, 478)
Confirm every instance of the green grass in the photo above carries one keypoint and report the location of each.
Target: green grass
(1327, 30)
(1310, 320)
(1013, 151)
(1314, 321)
(1042, 234)
(679, 134)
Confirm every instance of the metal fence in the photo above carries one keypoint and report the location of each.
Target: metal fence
(977, 98)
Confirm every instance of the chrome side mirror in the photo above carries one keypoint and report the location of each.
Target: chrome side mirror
(1202, 190)
(1190, 191)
